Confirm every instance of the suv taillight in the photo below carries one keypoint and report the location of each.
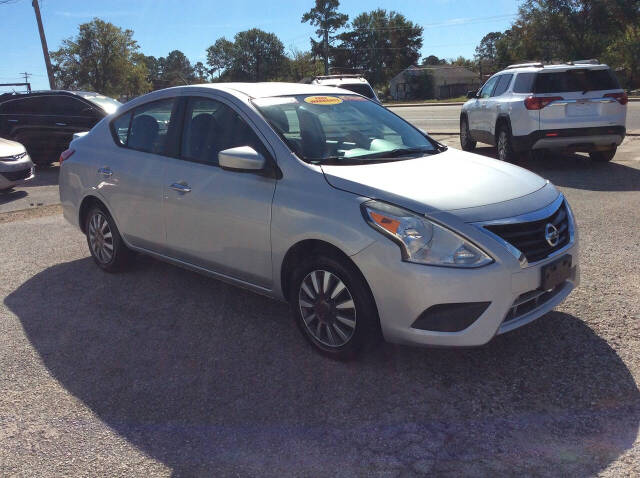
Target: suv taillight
(621, 98)
(66, 154)
(539, 102)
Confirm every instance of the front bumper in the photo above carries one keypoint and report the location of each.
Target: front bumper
(574, 139)
(403, 291)
(13, 173)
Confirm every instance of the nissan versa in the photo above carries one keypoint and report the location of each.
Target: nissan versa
(325, 199)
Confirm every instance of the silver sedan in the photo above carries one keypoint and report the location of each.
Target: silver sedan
(15, 164)
(313, 195)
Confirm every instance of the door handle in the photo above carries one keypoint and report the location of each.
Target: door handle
(61, 124)
(105, 172)
(181, 188)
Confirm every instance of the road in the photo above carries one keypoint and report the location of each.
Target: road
(446, 118)
(162, 372)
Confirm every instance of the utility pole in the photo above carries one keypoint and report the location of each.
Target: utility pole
(45, 49)
(326, 51)
(26, 76)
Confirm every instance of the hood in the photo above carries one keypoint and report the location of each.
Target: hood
(9, 148)
(448, 181)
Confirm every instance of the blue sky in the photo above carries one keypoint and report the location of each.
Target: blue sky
(451, 27)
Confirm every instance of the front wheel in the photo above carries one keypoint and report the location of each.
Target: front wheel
(603, 156)
(466, 141)
(333, 307)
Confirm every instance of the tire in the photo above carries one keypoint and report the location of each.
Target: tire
(105, 243)
(333, 307)
(504, 145)
(466, 141)
(603, 156)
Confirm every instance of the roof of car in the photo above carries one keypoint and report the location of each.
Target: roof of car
(267, 89)
(533, 67)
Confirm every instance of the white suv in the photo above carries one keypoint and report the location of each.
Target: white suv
(577, 106)
(356, 83)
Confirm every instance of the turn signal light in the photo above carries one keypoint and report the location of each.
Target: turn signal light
(621, 98)
(539, 102)
(66, 154)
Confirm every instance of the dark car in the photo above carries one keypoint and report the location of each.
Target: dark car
(45, 121)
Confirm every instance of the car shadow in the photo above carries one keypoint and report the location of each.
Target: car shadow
(11, 195)
(578, 171)
(214, 380)
(44, 176)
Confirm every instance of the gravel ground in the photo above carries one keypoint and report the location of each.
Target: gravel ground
(160, 371)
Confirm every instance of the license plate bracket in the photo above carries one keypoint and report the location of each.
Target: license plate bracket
(556, 272)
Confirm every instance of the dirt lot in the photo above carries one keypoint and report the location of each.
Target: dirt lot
(160, 371)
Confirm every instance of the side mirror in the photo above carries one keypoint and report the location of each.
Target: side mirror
(472, 94)
(242, 158)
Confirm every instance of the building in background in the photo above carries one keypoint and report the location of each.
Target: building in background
(428, 82)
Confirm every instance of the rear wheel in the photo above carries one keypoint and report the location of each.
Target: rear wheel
(466, 141)
(105, 243)
(603, 156)
(333, 307)
(504, 145)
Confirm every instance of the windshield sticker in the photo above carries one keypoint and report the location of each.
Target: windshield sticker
(353, 98)
(323, 100)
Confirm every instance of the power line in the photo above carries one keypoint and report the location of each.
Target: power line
(26, 76)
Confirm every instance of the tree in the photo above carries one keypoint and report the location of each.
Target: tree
(433, 60)
(220, 55)
(201, 72)
(176, 69)
(380, 44)
(325, 16)
(487, 52)
(100, 58)
(303, 65)
(254, 55)
(624, 52)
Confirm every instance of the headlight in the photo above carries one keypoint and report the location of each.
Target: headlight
(422, 241)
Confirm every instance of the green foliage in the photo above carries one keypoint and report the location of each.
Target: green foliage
(379, 44)
(302, 65)
(624, 51)
(433, 60)
(101, 58)
(254, 55)
(422, 86)
(326, 17)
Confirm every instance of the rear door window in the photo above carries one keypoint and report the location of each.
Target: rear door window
(575, 80)
(33, 105)
(503, 84)
(146, 128)
(68, 106)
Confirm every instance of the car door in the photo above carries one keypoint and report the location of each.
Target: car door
(68, 114)
(477, 120)
(23, 119)
(495, 102)
(214, 218)
(130, 176)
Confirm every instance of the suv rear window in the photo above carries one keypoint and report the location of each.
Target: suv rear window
(364, 90)
(524, 83)
(575, 80)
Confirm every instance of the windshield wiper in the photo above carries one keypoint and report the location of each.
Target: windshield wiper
(396, 153)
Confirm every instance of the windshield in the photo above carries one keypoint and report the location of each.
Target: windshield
(361, 89)
(342, 129)
(109, 105)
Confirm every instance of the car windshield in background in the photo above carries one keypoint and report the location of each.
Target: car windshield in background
(575, 80)
(361, 89)
(109, 105)
(342, 129)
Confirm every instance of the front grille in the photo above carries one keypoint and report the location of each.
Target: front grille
(529, 237)
(529, 301)
(17, 175)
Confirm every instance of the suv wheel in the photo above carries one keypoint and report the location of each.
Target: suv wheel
(603, 156)
(105, 243)
(466, 141)
(505, 148)
(333, 307)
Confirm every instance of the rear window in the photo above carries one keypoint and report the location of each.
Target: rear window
(575, 80)
(361, 89)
